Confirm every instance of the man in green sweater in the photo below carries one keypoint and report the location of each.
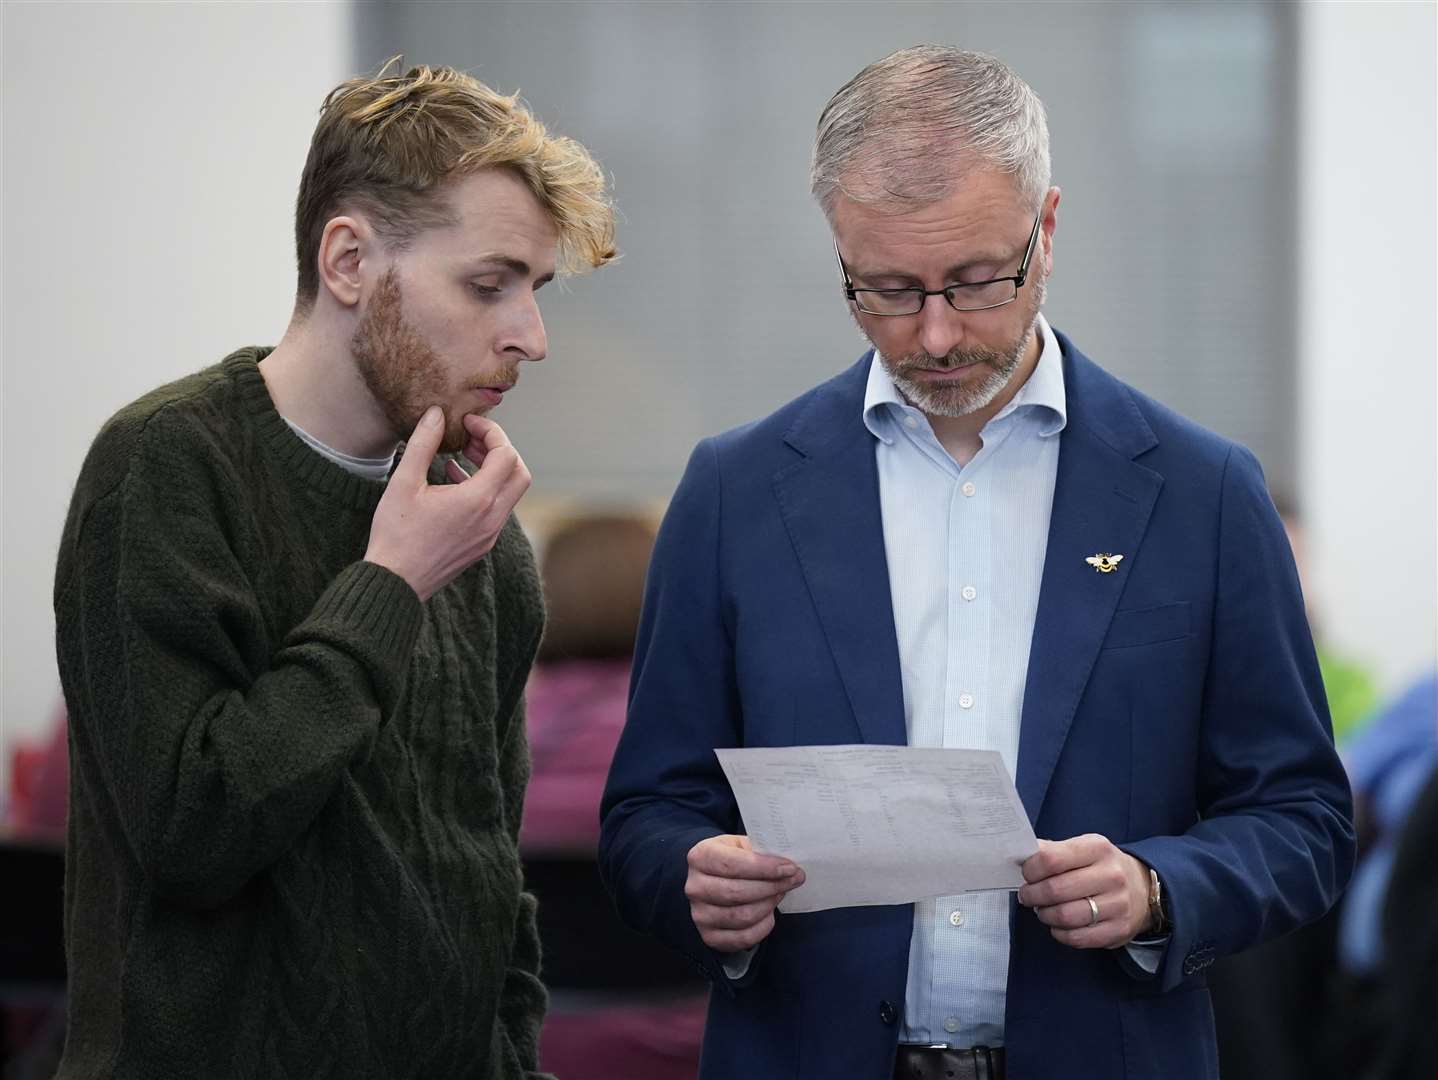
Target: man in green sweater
(294, 668)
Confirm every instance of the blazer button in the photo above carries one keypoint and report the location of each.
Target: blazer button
(887, 1013)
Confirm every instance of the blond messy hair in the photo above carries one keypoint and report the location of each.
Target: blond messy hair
(391, 143)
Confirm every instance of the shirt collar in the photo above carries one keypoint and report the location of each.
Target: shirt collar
(1043, 392)
(369, 468)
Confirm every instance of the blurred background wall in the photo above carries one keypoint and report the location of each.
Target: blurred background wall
(1366, 389)
(1246, 233)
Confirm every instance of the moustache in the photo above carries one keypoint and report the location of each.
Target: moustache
(508, 379)
(953, 359)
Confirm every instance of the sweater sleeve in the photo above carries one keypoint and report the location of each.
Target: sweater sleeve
(213, 767)
(523, 999)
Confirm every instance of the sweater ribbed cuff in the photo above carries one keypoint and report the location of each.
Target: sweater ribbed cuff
(376, 606)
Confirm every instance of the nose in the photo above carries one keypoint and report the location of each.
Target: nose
(526, 339)
(941, 328)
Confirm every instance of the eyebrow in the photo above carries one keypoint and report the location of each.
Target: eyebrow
(508, 262)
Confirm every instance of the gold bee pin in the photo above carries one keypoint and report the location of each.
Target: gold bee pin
(1104, 564)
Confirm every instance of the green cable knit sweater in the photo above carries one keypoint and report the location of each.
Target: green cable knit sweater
(295, 790)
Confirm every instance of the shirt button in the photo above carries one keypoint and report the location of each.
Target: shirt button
(968, 488)
(956, 918)
(951, 1025)
(966, 701)
(969, 592)
(911, 422)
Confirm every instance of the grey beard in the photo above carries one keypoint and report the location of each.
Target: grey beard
(953, 401)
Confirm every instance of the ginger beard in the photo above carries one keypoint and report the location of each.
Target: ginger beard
(954, 399)
(404, 373)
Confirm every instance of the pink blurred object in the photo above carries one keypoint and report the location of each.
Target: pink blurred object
(40, 783)
(575, 711)
(659, 1042)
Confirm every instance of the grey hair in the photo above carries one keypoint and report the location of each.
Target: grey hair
(908, 127)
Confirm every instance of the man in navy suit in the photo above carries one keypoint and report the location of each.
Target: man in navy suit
(975, 537)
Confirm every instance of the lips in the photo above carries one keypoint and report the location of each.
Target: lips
(492, 395)
(952, 370)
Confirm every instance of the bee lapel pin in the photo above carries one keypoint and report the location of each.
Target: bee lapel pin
(1104, 564)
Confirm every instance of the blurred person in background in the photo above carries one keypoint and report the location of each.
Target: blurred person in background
(1382, 1020)
(621, 1005)
(975, 537)
(1407, 1038)
(1268, 1000)
(294, 668)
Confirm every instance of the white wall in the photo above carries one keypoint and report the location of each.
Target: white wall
(151, 158)
(1368, 448)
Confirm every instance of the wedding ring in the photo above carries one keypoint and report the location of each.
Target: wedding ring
(1092, 910)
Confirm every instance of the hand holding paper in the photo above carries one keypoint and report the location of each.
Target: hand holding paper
(882, 824)
(733, 891)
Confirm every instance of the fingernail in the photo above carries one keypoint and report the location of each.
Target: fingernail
(432, 416)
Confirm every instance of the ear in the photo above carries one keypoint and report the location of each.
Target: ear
(1050, 222)
(344, 245)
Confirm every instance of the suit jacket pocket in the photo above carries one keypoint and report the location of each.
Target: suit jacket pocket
(1148, 626)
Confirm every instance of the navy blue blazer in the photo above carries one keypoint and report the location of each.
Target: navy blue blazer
(1173, 705)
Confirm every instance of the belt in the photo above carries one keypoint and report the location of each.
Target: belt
(940, 1062)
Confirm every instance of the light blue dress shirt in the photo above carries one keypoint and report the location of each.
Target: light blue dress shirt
(965, 549)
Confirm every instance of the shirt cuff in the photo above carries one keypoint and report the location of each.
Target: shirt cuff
(1147, 953)
(736, 965)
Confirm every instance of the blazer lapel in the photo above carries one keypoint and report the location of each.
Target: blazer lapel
(1102, 503)
(830, 505)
